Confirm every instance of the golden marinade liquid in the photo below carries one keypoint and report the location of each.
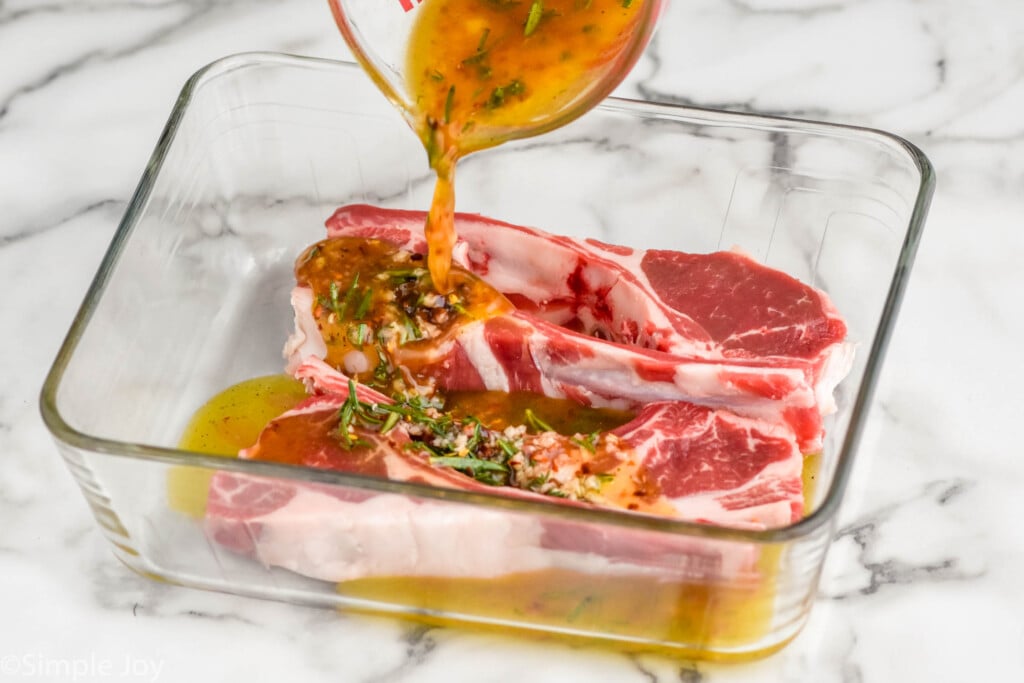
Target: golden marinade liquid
(224, 425)
(717, 615)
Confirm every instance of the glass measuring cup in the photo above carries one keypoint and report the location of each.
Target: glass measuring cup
(380, 33)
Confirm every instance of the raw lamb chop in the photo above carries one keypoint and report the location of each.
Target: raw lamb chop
(676, 459)
(612, 326)
(711, 306)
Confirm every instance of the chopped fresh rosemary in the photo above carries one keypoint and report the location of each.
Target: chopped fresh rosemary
(421, 446)
(311, 254)
(448, 104)
(479, 60)
(456, 303)
(533, 18)
(347, 301)
(587, 442)
(499, 94)
(412, 330)
(475, 58)
(469, 463)
(382, 372)
(390, 422)
(335, 305)
(364, 305)
(406, 273)
(578, 610)
(431, 143)
(360, 334)
(352, 410)
(507, 447)
(536, 423)
(539, 480)
(502, 4)
(475, 439)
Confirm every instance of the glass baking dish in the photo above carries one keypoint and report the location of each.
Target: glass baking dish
(192, 297)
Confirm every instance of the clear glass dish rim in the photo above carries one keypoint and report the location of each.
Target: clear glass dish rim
(69, 436)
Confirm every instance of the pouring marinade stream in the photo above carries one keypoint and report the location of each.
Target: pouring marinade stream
(481, 72)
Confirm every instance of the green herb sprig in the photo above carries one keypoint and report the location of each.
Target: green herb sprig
(535, 422)
(587, 442)
(502, 92)
(533, 18)
(449, 102)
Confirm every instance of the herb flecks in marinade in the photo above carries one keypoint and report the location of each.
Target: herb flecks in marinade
(497, 43)
(378, 314)
(372, 302)
(499, 94)
(547, 462)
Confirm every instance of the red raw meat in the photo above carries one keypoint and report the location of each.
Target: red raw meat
(613, 326)
(730, 365)
(720, 305)
(708, 466)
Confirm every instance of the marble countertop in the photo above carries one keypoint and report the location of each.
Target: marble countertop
(923, 580)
